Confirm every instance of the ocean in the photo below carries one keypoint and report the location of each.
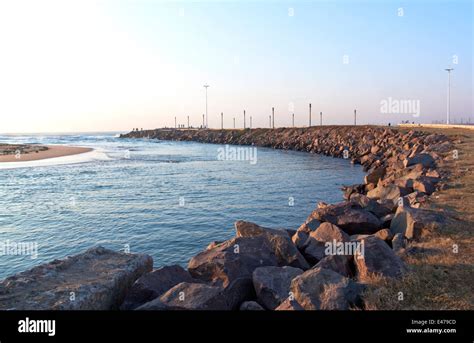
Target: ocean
(166, 199)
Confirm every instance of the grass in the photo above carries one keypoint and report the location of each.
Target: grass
(441, 277)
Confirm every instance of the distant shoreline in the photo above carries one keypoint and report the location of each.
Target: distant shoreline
(34, 152)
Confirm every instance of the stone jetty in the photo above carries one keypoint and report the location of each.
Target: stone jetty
(324, 264)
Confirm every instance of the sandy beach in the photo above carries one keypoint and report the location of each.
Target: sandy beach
(33, 152)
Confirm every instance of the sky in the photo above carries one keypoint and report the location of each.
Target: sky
(74, 66)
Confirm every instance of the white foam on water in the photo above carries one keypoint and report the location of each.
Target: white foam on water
(96, 154)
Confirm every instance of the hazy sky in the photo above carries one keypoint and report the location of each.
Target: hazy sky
(115, 65)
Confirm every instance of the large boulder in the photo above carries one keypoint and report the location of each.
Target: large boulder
(154, 284)
(410, 222)
(328, 232)
(389, 192)
(378, 209)
(324, 289)
(375, 174)
(349, 217)
(424, 159)
(377, 258)
(285, 250)
(342, 264)
(272, 284)
(230, 265)
(302, 234)
(97, 279)
(195, 296)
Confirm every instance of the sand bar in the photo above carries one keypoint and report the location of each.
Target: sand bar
(33, 152)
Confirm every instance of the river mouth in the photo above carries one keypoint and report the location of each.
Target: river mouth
(165, 199)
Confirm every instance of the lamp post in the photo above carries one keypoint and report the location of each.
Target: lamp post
(244, 119)
(310, 114)
(448, 105)
(273, 117)
(206, 87)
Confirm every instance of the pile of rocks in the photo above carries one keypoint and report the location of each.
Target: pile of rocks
(324, 264)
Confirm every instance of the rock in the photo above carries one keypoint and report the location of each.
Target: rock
(285, 250)
(328, 232)
(386, 220)
(314, 250)
(299, 239)
(289, 305)
(379, 259)
(154, 284)
(230, 265)
(390, 192)
(341, 264)
(213, 244)
(411, 221)
(425, 160)
(324, 289)
(384, 235)
(99, 278)
(251, 306)
(302, 234)
(423, 185)
(349, 217)
(375, 174)
(272, 284)
(377, 209)
(231, 260)
(398, 243)
(195, 296)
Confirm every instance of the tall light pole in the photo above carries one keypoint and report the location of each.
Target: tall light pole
(250, 122)
(206, 86)
(175, 126)
(321, 118)
(234, 122)
(188, 122)
(355, 117)
(203, 121)
(293, 119)
(244, 119)
(273, 117)
(448, 105)
(222, 120)
(310, 114)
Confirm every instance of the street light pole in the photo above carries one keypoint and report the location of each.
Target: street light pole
(273, 117)
(448, 105)
(222, 120)
(244, 119)
(321, 118)
(206, 86)
(310, 114)
(355, 117)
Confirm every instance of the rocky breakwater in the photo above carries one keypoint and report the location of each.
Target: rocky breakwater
(325, 264)
(328, 260)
